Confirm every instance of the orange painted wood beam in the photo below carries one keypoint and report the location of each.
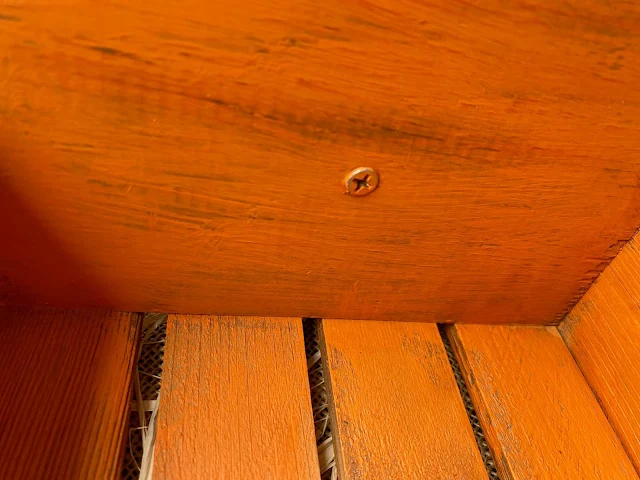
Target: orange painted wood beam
(205, 146)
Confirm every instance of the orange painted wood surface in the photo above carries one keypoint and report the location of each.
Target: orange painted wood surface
(204, 145)
(538, 413)
(396, 407)
(603, 334)
(235, 401)
(66, 390)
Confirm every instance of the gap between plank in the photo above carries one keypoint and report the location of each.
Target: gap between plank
(319, 400)
(483, 446)
(145, 398)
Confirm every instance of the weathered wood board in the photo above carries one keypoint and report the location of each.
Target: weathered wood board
(395, 404)
(235, 401)
(538, 413)
(603, 334)
(65, 392)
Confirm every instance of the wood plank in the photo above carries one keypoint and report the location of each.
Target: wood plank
(396, 408)
(66, 390)
(603, 334)
(539, 416)
(235, 401)
(208, 150)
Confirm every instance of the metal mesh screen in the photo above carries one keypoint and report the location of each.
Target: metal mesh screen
(149, 373)
(319, 401)
(483, 446)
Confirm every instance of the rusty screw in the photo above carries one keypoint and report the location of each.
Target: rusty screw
(361, 181)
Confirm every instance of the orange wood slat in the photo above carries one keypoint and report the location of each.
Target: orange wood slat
(235, 401)
(204, 145)
(65, 396)
(537, 411)
(603, 334)
(396, 407)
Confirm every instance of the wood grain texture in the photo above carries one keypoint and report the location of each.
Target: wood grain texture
(396, 408)
(603, 334)
(66, 386)
(235, 401)
(539, 416)
(204, 144)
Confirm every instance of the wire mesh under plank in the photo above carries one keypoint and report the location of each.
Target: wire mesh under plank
(319, 400)
(478, 432)
(145, 398)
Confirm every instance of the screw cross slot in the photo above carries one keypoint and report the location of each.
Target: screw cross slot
(361, 181)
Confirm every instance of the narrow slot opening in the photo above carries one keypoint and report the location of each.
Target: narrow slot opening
(145, 397)
(319, 400)
(481, 441)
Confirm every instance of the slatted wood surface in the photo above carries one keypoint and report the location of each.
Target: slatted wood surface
(235, 401)
(235, 387)
(603, 334)
(65, 392)
(204, 145)
(538, 412)
(396, 407)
